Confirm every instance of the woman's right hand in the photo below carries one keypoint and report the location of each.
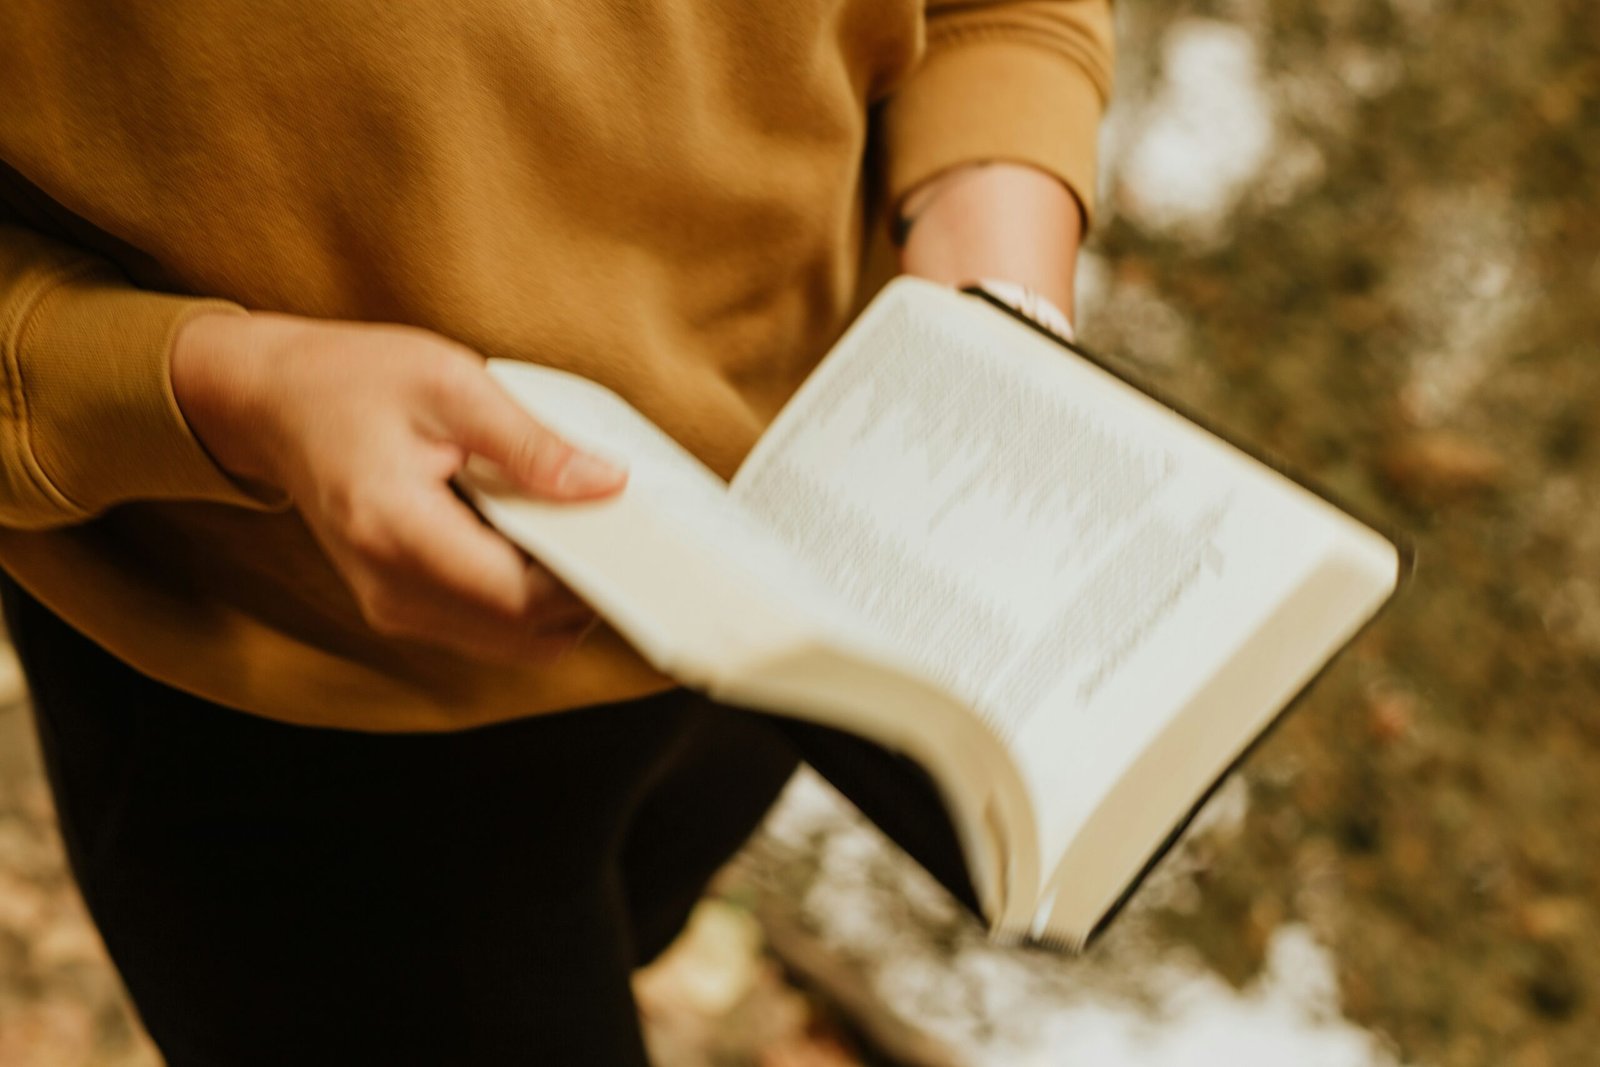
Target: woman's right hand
(363, 427)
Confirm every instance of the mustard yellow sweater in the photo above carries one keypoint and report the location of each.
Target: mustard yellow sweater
(668, 196)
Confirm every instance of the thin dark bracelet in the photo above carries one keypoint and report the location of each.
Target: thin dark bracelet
(900, 226)
(900, 229)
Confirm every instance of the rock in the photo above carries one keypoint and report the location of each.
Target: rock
(22, 905)
(67, 940)
(849, 989)
(35, 803)
(710, 967)
(25, 849)
(13, 688)
(48, 1033)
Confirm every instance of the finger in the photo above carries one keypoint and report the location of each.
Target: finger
(482, 418)
(443, 546)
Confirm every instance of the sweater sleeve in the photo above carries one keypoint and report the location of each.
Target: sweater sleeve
(87, 415)
(1020, 81)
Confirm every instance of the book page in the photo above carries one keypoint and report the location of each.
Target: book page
(1042, 539)
(668, 483)
(709, 595)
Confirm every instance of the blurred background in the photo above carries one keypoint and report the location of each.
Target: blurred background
(1365, 235)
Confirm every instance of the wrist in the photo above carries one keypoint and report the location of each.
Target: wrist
(997, 220)
(218, 377)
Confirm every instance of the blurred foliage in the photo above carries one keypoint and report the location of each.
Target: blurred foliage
(1419, 329)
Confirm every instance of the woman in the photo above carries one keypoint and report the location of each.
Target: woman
(292, 693)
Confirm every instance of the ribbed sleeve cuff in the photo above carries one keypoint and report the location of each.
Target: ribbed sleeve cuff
(991, 97)
(101, 419)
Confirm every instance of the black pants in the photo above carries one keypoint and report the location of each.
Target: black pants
(277, 895)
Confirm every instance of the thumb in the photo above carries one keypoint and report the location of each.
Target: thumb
(487, 422)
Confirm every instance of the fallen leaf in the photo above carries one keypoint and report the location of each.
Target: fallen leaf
(1439, 466)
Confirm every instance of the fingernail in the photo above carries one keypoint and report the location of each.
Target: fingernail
(587, 474)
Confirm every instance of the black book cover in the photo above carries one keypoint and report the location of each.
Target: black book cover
(899, 796)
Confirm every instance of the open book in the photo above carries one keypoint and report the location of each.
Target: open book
(974, 545)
